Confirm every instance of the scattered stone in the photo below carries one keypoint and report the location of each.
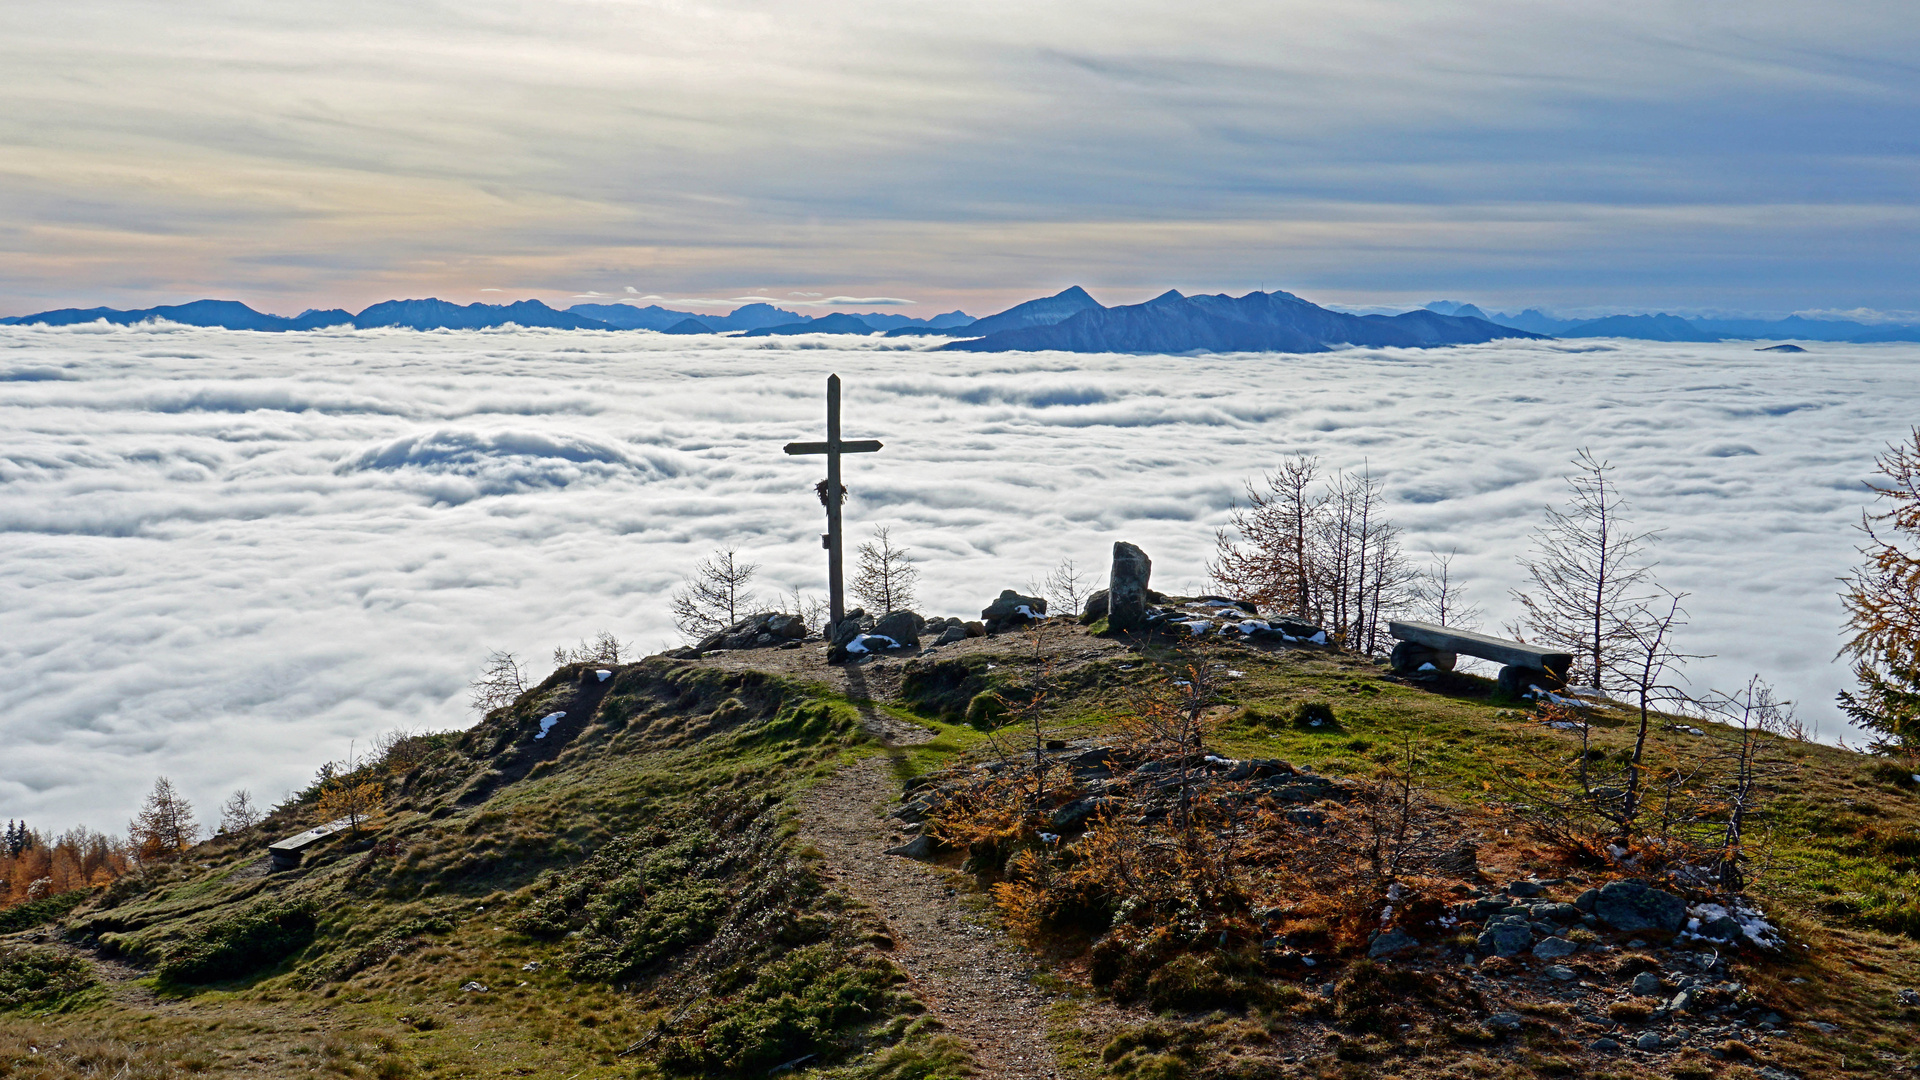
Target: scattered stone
(1555, 947)
(1909, 997)
(1127, 588)
(1585, 900)
(531, 965)
(1072, 815)
(1649, 1041)
(474, 988)
(952, 634)
(1506, 936)
(1392, 942)
(1605, 1046)
(920, 848)
(1525, 888)
(1560, 972)
(1647, 984)
(1631, 905)
(1504, 1021)
(1824, 1028)
(1683, 1001)
(762, 630)
(1724, 928)
(1095, 608)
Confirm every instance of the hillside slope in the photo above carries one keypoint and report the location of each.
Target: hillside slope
(687, 877)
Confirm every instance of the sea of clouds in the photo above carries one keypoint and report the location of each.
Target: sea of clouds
(228, 557)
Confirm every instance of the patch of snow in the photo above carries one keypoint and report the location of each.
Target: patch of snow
(1753, 923)
(1427, 667)
(1218, 603)
(1232, 674)
(1023, 609)
(547, 722)
(1199, 626)
(859, 644)
(603, 673)
(1049, 838)
(1319, 637)
(1248, 626)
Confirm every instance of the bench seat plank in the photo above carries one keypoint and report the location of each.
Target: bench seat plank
(1499, 650)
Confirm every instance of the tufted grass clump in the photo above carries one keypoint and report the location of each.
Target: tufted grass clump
(41, 980)
(241, 944)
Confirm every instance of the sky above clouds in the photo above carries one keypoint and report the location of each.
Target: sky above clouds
(228, 557)
(1738, 157)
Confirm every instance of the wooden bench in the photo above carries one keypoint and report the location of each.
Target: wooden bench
(286, 853)
(1522, 665)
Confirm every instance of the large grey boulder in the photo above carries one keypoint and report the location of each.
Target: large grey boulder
(1013, 609)
(1127, 588)
(902, 626)
(1631, 905)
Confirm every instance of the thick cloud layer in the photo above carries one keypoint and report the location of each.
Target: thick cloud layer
(227, 556)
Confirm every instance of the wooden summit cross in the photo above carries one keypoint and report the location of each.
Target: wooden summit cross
(832, 494)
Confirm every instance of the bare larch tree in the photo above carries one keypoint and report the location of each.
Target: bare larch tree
(715, 595)
(1590, 586)
(500, 682)
(886, 575)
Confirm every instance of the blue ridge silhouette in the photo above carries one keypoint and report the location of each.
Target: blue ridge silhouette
(1256, 322)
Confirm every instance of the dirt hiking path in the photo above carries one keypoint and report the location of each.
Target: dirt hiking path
(962, 966)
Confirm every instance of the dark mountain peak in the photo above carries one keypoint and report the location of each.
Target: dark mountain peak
(1045, 311)
(1661, 327)
(1167, 297)
(688, 326)
(434, 313)
(836, 323)
(1256, 322)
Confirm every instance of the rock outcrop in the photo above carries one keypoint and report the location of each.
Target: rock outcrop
(1127, 589)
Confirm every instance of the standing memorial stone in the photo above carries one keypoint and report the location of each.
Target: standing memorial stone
(1127, 588)
(833, 494)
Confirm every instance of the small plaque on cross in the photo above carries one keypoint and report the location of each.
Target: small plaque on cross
(833, 493)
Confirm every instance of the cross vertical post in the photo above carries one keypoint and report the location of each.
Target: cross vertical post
(836, 575)
(832, 493)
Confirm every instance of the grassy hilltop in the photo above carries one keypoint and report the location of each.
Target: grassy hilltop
(636, 895)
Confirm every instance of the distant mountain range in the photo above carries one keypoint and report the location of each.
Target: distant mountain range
(1256, 322)
(441, 315)
(1664, 327)
(1070, 320)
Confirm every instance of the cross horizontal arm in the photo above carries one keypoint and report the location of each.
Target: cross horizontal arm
(857, 446)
